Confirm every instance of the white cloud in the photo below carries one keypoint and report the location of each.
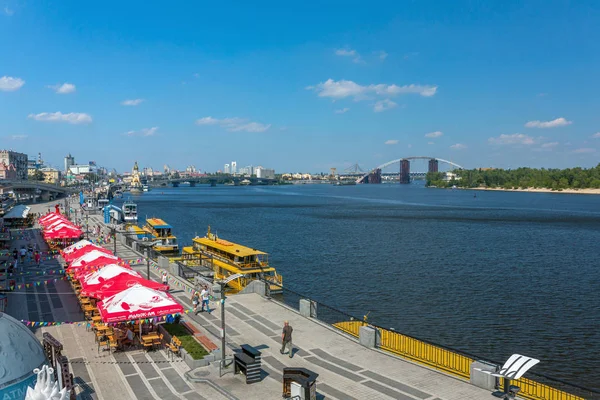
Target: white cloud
(71, 118)
(584, 150)
(132, 102)
(8, 11)
(435, 134)
(392, 141)
(343, 88)
(549, 145)
(65, 88)
(196, 75)
(143, 132)
(10, 84)
(548, 124)
(349, 53)
(458, 146)
(384, 105)
(342, 111)
(515, 138)
(18, 137)
(596, 135)
(430, 143)
(381, 54)
(234, 124)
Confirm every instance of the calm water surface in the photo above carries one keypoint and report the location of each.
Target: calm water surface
(492, 275)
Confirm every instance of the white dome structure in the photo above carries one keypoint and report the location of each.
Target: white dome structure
(20, 353)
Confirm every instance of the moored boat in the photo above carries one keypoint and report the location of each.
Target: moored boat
(162, 236)
(229, 258)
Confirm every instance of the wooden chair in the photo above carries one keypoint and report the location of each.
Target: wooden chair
(158, 342)
(174, 346)
(104, 343)
(147, 344)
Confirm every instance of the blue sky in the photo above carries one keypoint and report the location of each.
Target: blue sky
(302, 86)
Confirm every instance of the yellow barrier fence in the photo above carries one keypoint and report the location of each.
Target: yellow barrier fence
(450, 361)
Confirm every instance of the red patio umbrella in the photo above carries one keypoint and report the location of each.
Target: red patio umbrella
(64, 232)
(75, 246)
(49, 216)
(90, 256)
(105, 273)
(138, 302)
(84, 250)
(120, 283)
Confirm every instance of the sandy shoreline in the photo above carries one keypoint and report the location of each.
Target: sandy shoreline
(539, 190)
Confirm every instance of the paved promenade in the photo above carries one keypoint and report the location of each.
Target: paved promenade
(346, 369)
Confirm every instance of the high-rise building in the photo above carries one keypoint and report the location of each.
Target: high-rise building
(233, 167)
(19, 160)
(69, 160)
(226, 169)
(265, 173)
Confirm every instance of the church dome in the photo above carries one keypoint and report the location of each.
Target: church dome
(20, 352)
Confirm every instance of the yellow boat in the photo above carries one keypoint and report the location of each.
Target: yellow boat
(162, 236)
(229, 258)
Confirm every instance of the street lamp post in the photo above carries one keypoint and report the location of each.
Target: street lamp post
(223, 284)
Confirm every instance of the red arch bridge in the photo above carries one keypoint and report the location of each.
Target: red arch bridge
(374, 176)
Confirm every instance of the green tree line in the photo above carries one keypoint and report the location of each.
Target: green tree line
(555, 179)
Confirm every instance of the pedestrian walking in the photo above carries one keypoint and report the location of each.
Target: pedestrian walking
(205, 295)
(23, 253)
(15, 254)
(195, 301)
(165, 278)
(286, 339)
(37, 256)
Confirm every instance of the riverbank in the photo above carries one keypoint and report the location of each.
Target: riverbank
(538, 190)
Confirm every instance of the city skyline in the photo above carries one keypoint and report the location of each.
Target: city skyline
(305, 88)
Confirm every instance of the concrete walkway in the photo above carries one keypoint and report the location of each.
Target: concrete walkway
(346, 369)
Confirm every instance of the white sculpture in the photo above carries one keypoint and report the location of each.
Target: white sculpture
(45, 386)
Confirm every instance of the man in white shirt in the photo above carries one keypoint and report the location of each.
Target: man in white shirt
(205, 296)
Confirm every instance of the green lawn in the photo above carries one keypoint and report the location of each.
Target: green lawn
(188, 342)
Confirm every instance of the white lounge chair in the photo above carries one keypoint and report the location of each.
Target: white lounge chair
(513, 368)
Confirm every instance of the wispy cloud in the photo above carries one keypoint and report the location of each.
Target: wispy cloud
(458, 146)
(384, 105)
(596, 135)
(132, 102)
(234, 124)
(71, 118)
(64, 88)
(343, 89)
(381, 54)
(18, 137)
(430, 143)
(356, 58)
(549, 145)
(435, 134)
(143, 132)
(391, 141)
(8, 11)
(548, 124)
(342, 110)
(515, 138)
(584, 150)
(10, 84)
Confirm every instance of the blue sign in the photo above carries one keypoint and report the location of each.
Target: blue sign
(106, 214)
(17, 391)
(81, 197)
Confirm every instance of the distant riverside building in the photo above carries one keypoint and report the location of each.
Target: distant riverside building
(265, 173)
(234, 167)
(249, 170)
(8, 171)
(82, 169)
(19, 160)
(226, 169)
(69, 161)
(51, 175)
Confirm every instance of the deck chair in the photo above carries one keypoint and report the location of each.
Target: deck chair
(514, 368)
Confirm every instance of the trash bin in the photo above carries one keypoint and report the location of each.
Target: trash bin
(300, 380)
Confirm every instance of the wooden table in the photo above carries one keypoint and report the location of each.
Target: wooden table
(96, 319)
(149, 339)
(89, 308)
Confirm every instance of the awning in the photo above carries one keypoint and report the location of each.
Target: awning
(18, 212)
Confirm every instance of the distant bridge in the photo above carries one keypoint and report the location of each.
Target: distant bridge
(46, 190)
(374, 176)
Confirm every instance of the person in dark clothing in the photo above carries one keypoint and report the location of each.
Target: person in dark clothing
(286, 339)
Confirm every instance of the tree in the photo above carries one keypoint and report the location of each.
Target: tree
(37, 176)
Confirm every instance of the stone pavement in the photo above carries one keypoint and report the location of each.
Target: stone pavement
(346, 369)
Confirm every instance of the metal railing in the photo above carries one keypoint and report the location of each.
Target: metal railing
(449, 360)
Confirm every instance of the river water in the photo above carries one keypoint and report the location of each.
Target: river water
(492, 275)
